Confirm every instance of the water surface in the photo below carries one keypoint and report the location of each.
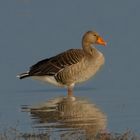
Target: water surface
(68, 117)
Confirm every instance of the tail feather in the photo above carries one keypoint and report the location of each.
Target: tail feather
(23, 75)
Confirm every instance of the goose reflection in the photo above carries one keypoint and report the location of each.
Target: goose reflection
(71, 115)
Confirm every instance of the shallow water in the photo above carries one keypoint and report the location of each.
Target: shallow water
(119, 108)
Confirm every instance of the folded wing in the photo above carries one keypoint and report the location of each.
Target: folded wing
(53, 65)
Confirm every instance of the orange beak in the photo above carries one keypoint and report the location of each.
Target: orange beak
(101, 41)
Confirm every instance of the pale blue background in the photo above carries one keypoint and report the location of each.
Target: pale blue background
(31, 30)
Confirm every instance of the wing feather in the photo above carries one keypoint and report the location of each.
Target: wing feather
(53, 65)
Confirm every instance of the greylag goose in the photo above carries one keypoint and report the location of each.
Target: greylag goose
(72, 66)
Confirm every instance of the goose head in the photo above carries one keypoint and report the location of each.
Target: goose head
(92, 38)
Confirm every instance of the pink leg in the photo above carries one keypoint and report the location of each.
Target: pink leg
(70, 91)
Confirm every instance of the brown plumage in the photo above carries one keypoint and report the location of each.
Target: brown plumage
(72, 66)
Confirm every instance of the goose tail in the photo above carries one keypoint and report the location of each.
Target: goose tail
(23, 75)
